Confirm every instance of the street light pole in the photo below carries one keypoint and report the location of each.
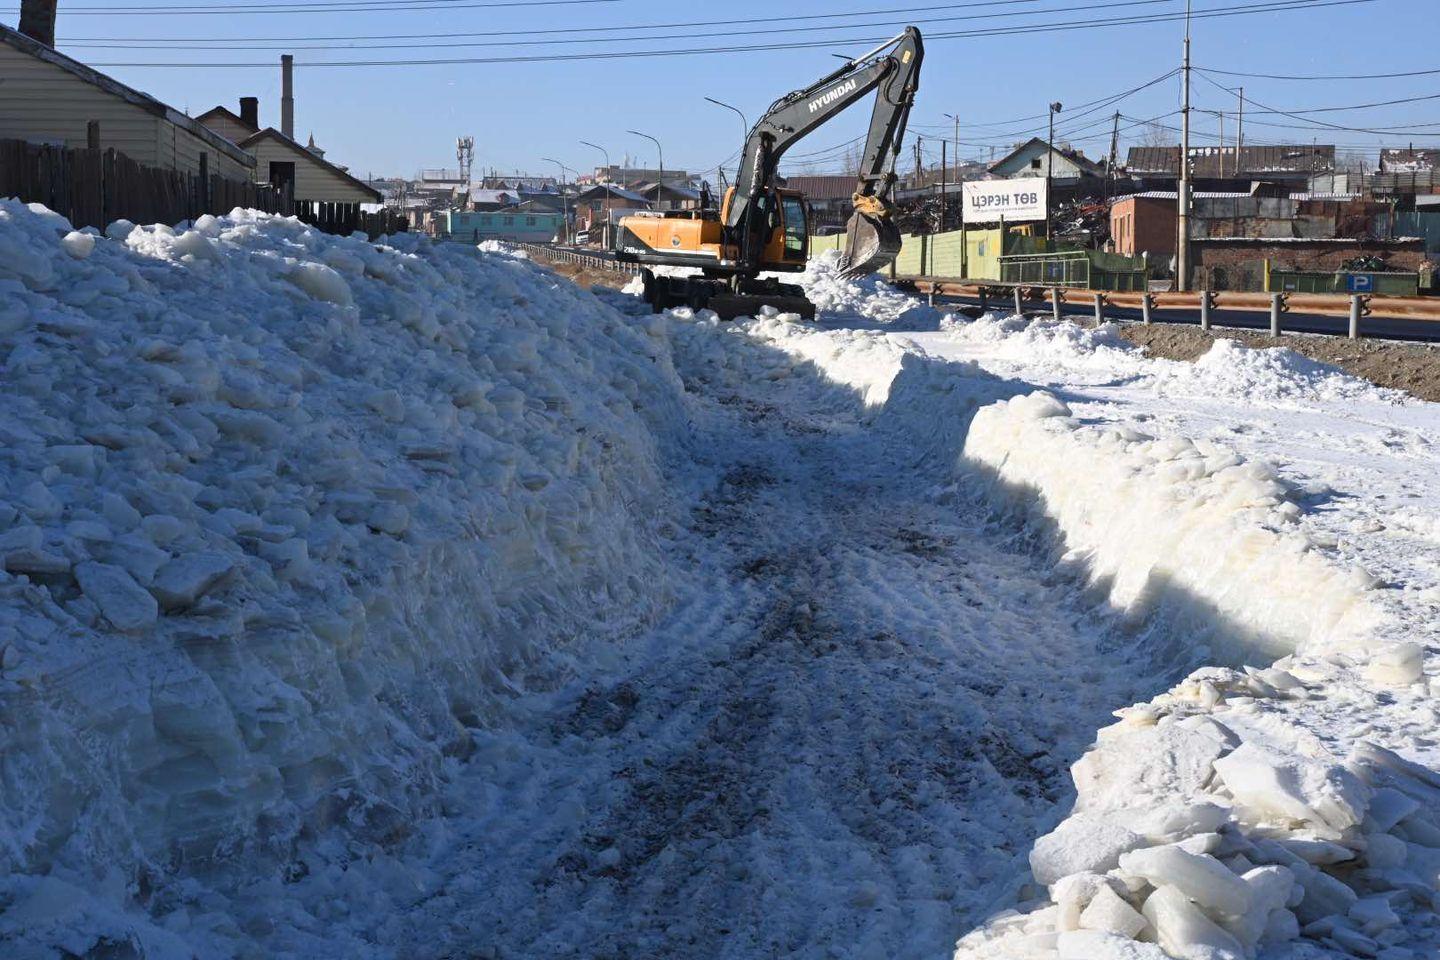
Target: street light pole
(564, 198)
(605, 152)
(660, 152)
(956, 167)
(1182, 245)
(1055, 108)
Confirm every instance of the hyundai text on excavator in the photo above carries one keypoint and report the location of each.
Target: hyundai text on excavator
(764, 228)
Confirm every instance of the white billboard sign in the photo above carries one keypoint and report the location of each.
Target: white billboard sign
(1014, 201)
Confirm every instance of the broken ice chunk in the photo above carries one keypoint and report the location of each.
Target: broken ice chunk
(121, 600)
(1398, 665)
(1108, 912)
(1184, 931)
(185, 579)
(1199, 877)
(1082, 843)
(1268, 786)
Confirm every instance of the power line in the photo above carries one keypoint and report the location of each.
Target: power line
(450, 42)
(628, 28)
(317, 6)
(1270, 6)
(1335, 76)
(1321, 124)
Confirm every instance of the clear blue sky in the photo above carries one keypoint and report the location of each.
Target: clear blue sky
(397, 119)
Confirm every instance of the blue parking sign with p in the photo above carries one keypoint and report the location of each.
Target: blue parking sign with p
(1359, 283)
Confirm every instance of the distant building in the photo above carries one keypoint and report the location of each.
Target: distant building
(632, 177)
(596, 206)
(829, 195)
(1032, 158)
(47, 97)
(465, 226)
(1292, 164)
(669, 196)
(1409, 160)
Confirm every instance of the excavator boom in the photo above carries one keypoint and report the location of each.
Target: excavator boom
(892, 69)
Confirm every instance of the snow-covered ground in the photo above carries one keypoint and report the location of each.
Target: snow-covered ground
(385, 599)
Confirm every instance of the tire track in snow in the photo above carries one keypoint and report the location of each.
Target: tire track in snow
(836, 747)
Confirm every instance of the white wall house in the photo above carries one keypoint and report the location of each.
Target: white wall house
(1031, 158)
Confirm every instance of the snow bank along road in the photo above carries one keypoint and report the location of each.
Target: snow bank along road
(398, 600)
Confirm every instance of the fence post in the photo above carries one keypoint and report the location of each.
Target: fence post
(92, 134)
(1359, 307)
(204, 182)
(1055, 302)
(1099, 307)
(984, 304)
(1019, 311)
(932, 295)
(1147, 303)
(1277, 307)
(1205, 301)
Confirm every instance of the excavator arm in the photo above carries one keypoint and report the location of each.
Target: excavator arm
(893, 68)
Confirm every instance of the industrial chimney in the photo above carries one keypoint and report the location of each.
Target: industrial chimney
(37, 20)
(287, 95)
(250, 112)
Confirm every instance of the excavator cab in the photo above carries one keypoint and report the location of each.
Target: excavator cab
(785, 218)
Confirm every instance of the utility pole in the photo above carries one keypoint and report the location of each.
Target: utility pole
(1182, 247)
(1240, 132)
(1114, 156)
(943, 174)
(919, 164)
(1049, 169)
(1221, 115)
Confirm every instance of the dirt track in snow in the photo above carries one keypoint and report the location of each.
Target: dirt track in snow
(838, 744)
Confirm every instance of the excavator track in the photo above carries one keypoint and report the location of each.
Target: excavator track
(665, 293)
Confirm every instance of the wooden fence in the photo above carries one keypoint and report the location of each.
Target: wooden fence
(346, 218)
(94, 188)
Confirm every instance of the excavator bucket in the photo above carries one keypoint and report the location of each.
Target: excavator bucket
(872, 242)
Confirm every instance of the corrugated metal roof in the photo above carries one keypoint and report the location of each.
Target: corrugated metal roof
(825, 186)
(1206, 161)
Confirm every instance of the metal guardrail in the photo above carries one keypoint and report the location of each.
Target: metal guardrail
(587, 260)
(1353, 306)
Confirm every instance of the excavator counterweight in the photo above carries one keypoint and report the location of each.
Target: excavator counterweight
(762, 228)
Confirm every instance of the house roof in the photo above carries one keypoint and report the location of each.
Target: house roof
(228, 114)
(270, 133)
(672, 188)
(478, 195)
(1408, 159)
(115, 88)
(824, 186)
(1206, 161)
(609, 189)
(1074, 156)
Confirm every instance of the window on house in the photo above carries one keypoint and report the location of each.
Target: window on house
(1035, 164)
(508, 221)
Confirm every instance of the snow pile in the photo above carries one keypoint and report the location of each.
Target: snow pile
(281, 516)
(775, 346)
(1274, 374)
(871, 297)
(1212, 824)
(1044, 341)
(1175, 524)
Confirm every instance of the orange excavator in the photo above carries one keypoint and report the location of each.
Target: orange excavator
(762, 228)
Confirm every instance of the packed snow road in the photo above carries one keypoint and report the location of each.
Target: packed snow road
(836, 746)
